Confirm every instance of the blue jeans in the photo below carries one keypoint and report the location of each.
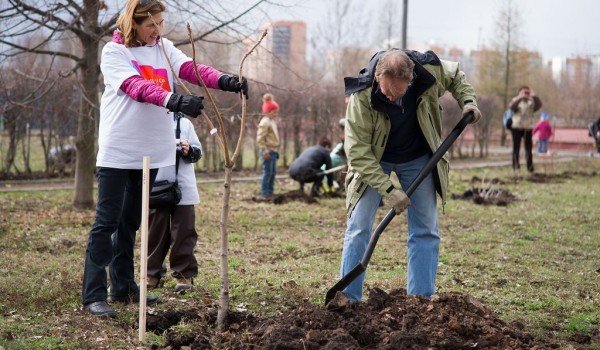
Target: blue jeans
(542, 146)
(269, 168)
(112, 237)
(423, 232)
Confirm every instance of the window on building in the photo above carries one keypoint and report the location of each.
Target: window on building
(281, 41)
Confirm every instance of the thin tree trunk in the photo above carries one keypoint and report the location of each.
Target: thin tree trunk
(507, 53)
(27, 149)
(13, 141)
(224, 297)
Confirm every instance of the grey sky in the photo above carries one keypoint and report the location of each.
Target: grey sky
(552, 27)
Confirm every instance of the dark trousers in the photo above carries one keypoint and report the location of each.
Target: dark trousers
(112, 237)
(175, 228)
(316, 185)
(517, 135)
(308, 176)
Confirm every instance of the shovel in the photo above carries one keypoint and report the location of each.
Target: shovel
(310, 177)
(362, 265)
(332, 170)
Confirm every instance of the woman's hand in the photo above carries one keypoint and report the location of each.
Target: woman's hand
(185, 147)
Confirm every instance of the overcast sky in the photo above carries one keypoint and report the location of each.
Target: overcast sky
(552, 27)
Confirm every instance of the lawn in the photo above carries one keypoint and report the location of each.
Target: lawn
(535, 261)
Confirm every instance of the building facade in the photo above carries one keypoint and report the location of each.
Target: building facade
(281, 58)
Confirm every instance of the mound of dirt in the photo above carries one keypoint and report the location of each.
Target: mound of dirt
(493, 196)
(384, 321)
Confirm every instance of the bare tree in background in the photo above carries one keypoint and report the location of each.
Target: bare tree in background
(389, 25)
(508, 29)
(490, 106)
(336, 55)
(576, 100)
(451, 115)
(88, 24)
(30, 93)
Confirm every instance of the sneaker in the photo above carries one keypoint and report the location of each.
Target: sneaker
(152, 282)
(183, 284)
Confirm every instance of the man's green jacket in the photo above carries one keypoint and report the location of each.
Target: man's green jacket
(367, 129)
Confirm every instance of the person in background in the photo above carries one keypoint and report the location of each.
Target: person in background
(338, 158)
(544, 130)
(174, 227)
(267, 138)
(523, 106)
(307, 167)
(594, 132)
(136, 120)
(394, 124)
(338, 155)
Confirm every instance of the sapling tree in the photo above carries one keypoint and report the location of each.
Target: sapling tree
(230, 161)
(220, 133)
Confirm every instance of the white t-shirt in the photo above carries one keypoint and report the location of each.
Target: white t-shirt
(186, 176)
(130, 130)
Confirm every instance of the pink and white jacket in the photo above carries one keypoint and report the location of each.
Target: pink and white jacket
(544, 129)
(143, 90)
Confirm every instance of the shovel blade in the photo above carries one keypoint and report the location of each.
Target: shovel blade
(344, 282)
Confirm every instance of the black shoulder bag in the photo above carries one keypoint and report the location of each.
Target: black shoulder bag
(165, 193)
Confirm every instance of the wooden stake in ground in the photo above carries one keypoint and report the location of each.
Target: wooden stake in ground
(144, 247)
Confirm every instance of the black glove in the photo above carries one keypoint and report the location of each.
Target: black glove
(194, 155)
(232, 83)
(190, 105)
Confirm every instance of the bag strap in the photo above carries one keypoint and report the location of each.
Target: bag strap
(178, 117)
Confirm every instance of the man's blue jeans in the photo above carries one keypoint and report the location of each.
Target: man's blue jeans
(423, 232)
(118, 216)
(269, 168)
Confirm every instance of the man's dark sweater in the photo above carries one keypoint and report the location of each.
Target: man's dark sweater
(308, 164)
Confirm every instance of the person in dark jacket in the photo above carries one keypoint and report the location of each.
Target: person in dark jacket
(307, 167)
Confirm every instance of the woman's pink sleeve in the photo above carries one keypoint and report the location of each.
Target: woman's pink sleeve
(209, 75)
(143, 90)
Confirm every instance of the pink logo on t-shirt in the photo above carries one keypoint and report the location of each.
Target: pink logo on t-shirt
(157, 76)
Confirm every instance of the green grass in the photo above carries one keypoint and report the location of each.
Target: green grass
(535, 261)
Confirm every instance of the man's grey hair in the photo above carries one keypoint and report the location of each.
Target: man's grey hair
(395, 64)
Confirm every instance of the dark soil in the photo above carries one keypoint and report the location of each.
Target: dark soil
(557, 178)
(487, 196)
(491, 195)
(296, 196)
(384, 321)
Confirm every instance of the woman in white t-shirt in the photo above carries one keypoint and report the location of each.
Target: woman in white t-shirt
(136, 120)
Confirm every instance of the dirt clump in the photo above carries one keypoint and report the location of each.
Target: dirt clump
(384, 321)
(487, 196)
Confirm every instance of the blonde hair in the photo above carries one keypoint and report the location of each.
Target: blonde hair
(268, 96)
(134, 12)
(395, 64)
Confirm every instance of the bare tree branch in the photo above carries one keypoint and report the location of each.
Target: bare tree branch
(222, 25)
(42, 52)
(238, 147)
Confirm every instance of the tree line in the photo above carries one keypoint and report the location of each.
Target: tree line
(51, 83)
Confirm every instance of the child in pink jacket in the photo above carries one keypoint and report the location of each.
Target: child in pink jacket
(544, 128)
